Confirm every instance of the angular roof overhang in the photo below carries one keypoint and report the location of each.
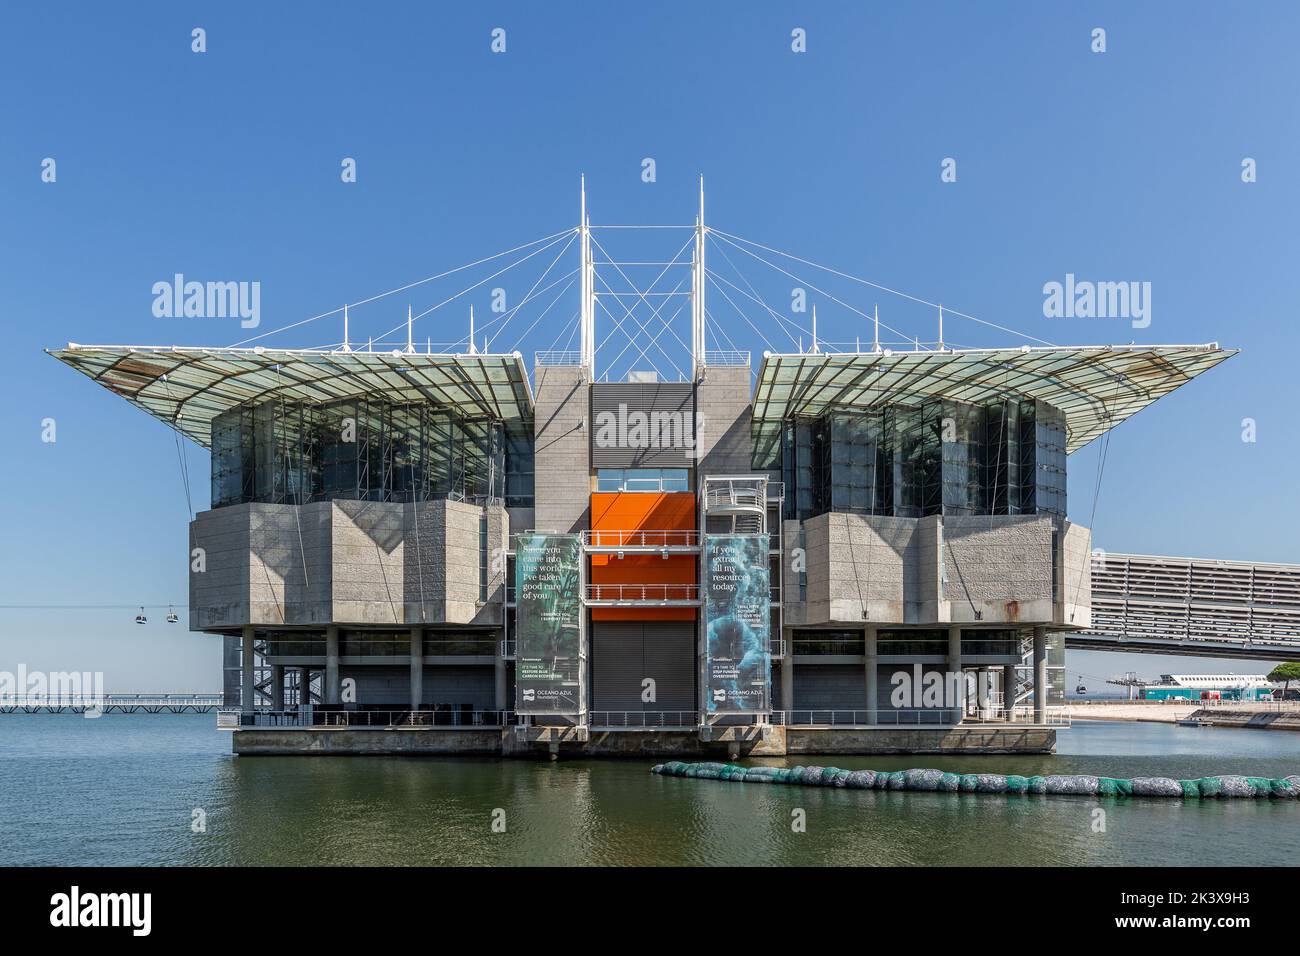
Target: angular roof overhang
(1097, 387)
(188, 387)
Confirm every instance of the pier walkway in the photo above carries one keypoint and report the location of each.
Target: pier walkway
(111, 703)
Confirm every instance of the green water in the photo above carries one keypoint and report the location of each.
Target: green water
(123, 790)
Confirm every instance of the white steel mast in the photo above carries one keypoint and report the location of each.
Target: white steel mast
(586, 311)
(697, 291)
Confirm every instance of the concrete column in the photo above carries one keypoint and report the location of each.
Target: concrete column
(277, 687)
(871, 663)
(332, 695)
(1009, 689)
(304, 686)
(787, 682)
(955, 672)
(246, 679)
(417, 667)
(1040, 675)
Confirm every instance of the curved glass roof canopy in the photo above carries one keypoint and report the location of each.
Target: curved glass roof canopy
(1096, 387)
(187, 388)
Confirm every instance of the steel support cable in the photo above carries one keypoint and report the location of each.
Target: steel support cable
(180, 456)
(1102, 451)
(642, 327)
(632, 285)
(85, 607)
(709, 273)
(543, 314)
(632, 342)
(472, 287)
(755, 296)
(409, 285)
(618, 327)
(654, 314)
(719, 328)
(833, 298)
(882, 288)
(506, 316)
(718, 277)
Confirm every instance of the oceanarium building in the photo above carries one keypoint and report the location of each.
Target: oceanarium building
(858, 551)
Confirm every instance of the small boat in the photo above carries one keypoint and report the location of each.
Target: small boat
(1195, 721)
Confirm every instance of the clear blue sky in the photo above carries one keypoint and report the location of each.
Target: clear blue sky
(225, 165)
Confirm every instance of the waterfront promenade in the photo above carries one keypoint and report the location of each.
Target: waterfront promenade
(1170, 712)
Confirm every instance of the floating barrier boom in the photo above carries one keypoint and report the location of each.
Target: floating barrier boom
(1225, 786)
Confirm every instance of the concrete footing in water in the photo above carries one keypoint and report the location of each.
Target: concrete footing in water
(718, 741)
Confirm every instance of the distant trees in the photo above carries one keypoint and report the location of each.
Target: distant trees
(1285, 673)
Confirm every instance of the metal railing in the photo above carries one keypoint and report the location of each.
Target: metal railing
(735, 493)
(110, 703)
(643, 593)
(315, 716)
(509, 648)
(722, 357)
(641, 539)
(557, 357)
(642, 719)
(923, 717)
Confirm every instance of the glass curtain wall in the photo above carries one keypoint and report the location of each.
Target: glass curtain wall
(366, 450)
(942, 457)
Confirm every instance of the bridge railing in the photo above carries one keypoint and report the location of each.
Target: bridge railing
(924, 717)
(351, 719)
(1188, 600)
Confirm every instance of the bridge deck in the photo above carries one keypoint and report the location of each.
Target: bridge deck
(1193, 606)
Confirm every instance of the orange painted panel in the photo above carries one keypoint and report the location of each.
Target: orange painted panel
(636, 511)
(633, 511)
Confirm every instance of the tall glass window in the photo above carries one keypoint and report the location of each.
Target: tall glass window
(363, 449)
(942, 457)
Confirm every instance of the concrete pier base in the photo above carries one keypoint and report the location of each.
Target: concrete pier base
(732, 743)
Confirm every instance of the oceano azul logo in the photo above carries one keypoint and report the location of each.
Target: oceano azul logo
(655, 429)
(74, 908)
(1084, 299)
(208, 300)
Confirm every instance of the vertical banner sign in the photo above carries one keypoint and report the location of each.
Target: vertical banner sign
(738, 618)
(548, 611)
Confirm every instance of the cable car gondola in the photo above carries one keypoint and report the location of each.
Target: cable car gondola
(171, 615)
(1081, 689)
(140, 618)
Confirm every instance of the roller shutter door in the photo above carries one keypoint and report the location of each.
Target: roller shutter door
(459, 686)
(625, 654)
(830, 687)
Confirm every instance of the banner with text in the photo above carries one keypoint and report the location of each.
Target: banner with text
(738, 619)
(548, 598)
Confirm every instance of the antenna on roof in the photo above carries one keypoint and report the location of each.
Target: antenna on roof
(941, 327)
(410, 345)
(346, 346)
(471, 330)
(875, 342)
(814, 329)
